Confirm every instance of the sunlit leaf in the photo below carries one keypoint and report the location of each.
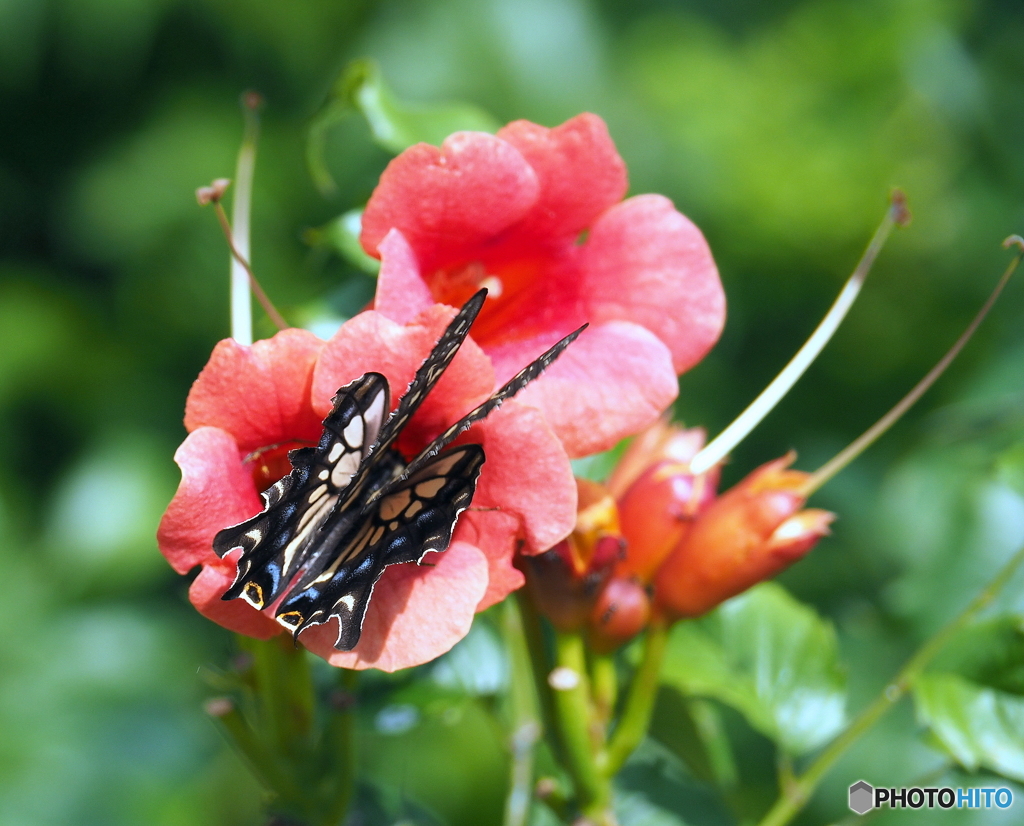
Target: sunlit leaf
(771, 658)
(477, 665)
(692, 730)
(979, 727)
(989, 653)
(634, 809)
(342, 236)
(395, 124)
(1010, 467)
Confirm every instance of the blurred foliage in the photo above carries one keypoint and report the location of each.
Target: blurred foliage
(778, 127)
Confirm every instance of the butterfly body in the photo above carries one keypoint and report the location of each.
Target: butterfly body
(352, 505)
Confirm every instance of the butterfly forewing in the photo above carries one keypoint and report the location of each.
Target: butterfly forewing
(414, 516)
(432, 368)
(507, 391)
(280, 540)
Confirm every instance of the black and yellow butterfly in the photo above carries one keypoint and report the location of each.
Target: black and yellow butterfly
(351, 506)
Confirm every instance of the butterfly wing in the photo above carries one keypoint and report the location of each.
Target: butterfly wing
(412, 517)
(432, 368)
(285, 536)
(507, 391)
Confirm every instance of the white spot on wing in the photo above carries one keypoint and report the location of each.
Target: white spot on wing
(353, 432)
(346, 467)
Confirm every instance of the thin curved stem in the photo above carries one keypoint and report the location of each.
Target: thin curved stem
(636, 714)
(238, 236)
(801, 788)
(721, 445)
(859, 445)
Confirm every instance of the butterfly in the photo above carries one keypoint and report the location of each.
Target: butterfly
(352, 505)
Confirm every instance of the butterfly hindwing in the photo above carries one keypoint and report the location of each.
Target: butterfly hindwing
(283, 537)
(415, 515)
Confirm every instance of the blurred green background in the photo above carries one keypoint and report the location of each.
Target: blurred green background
(778, 127)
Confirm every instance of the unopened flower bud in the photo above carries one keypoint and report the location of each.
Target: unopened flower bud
(622, 611)
(213, 193)
(659, 442)
(656, 511)
(748, 534)
(565, 581)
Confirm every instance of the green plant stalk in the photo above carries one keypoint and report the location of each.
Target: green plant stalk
(540, 667)
(525, 725)
(261, 762)
(639, 705)
(241, 301)
(604, 680)
(285, 693)
(580, 738)
(339, 740)
(800, 790)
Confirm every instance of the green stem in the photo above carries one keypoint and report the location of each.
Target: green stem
(636, 715)
(800, 790)
(573, 716)
(261, 762)
(540, 665)
(284, 690)
(339, 740)
(605, 682)
(525, 725)
(241, 302)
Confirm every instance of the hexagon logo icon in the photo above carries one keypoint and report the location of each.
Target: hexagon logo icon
(862, 797)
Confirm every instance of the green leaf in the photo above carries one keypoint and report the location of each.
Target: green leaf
(634, 809)
(979, 727)
(693, 731)
(769, 657)
(990, 653)
(597, 467)
(342, 236)
(395, 124)
(1010, 467)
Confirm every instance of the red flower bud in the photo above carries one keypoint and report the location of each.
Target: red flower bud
(657, 495)
(565, 581)
(622, 611)
(656, 511)
(748, 534)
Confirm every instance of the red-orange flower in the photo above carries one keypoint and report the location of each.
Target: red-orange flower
(537, 216)
(566, 580)
(251, 403)
(748, 534)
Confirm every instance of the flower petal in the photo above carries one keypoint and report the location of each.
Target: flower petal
(527, 474)
(216, 491)
(613, 381)
(372, 342)
(234, 614)
(579, 169)
(417, 613)
(495, 533)
(402, 294)
(449, 201)
(259, 394)
(647, 263)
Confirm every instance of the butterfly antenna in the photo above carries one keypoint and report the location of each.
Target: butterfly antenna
(513, 386)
